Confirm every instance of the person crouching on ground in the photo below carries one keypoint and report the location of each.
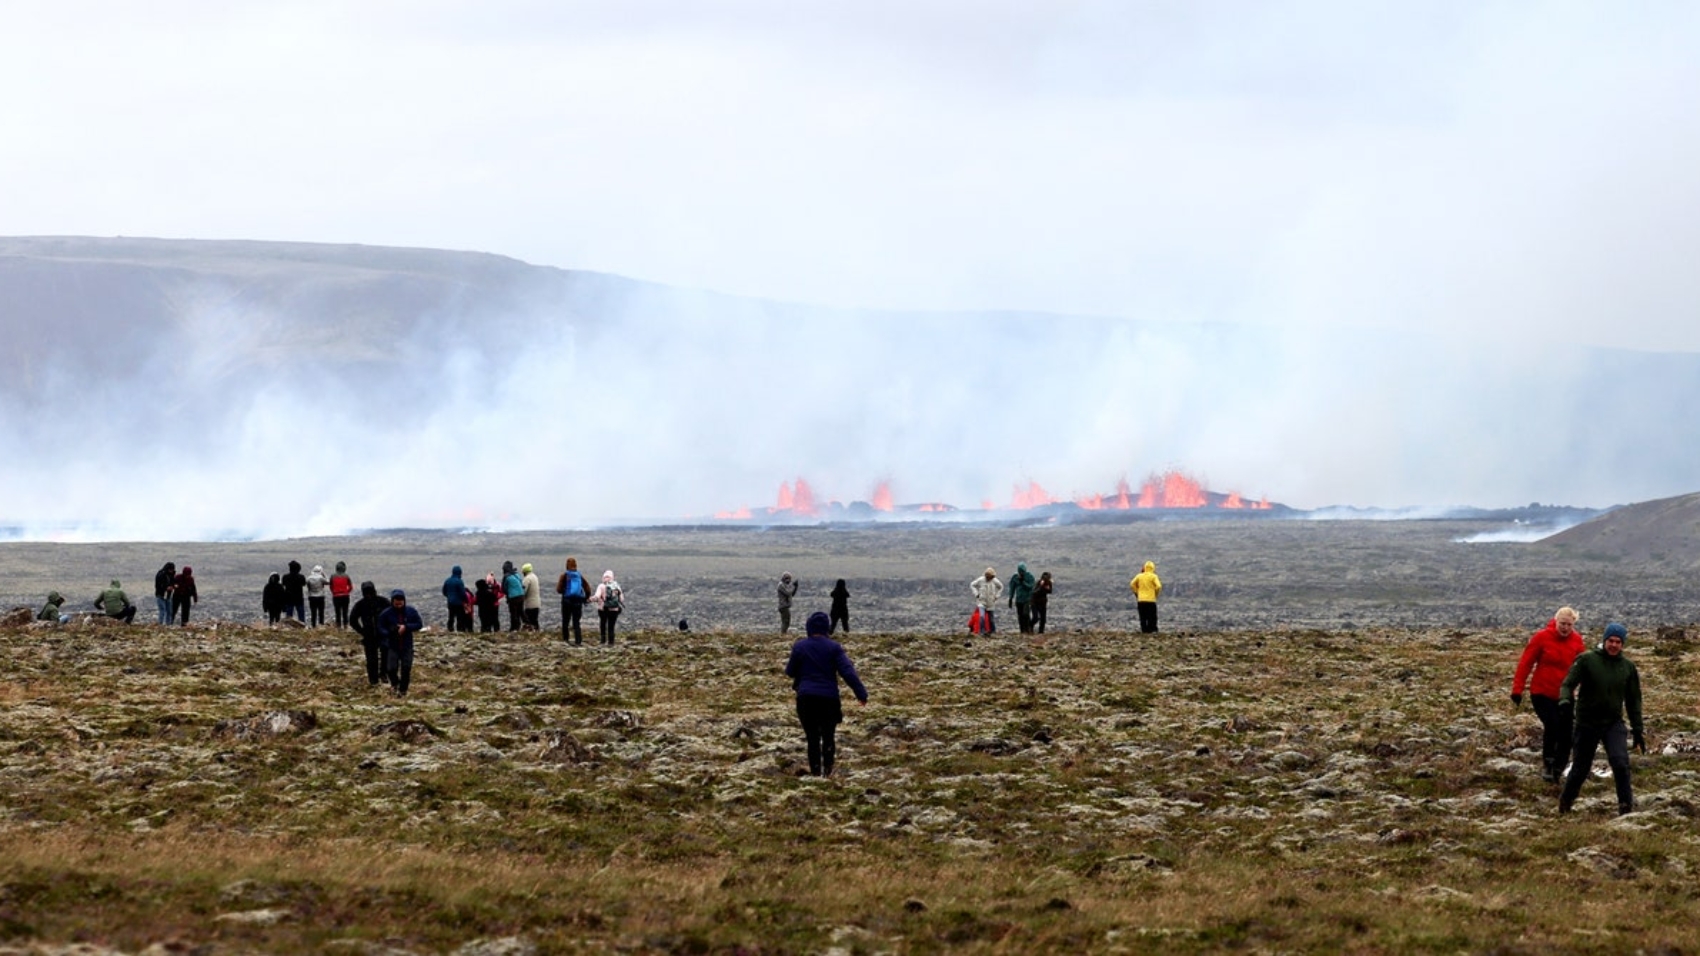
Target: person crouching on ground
(817, 662)
(1602, 684)
(1548, 656)
(397, 625)
(116, 603)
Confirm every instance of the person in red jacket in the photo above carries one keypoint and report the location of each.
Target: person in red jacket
(1549, 654)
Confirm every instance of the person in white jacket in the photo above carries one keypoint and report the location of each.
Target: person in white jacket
(610, 600)
(987, 590)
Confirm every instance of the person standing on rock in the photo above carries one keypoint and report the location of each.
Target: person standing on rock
(817, 662)
(610, 600)
(1146, 586)
(1545, 663)
(363, 618)
(787, 591)
(987, 589)
(1041, 601)
(840, 607)
(1021, 586)
(341, 587)
(396, 625)
(1601, 686)
(533, 594)
(184, 593)
(116, 603)
(318, 583)
(295, 592)
(574, 593)
(162, 581)
(513, 588)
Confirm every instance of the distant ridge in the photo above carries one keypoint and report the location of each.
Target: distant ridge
(1665, 531)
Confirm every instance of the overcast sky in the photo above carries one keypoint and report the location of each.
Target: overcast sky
(1513, 169)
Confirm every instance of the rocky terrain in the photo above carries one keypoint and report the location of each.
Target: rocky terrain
(1316, 755)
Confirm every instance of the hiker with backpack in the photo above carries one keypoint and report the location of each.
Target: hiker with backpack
(574, 592)
(610, 600)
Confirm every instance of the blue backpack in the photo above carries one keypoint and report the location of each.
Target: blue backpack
(574, 585)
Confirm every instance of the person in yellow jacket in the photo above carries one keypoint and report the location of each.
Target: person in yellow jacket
(1146, 587)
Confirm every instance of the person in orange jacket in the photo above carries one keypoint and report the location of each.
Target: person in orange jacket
(1548, 656)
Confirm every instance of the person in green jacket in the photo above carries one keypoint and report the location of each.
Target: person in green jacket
(116, 603)
(1021, 586)
(51, 610)
(1601, 685)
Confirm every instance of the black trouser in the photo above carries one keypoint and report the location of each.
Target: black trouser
(296, 609)
(1039, 617)
(1148, 617)
(400, 667)
(605, 621)
(377, 658)
(1556, 733)
(534, 618)
(1024, 617)
(460, 619)
(572, 620)
(1588, 739)
(274, 615)
(127, 615)
(516, 613)
(840, 615)
(340, 606)
(820, 717)
(182, 610)
(316, 608)
(489, 617)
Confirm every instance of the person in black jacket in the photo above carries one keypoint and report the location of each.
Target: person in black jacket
(363, 618)
(272, 599)
(184, 593)
(840, 607)
(295, 592)
(162, 584)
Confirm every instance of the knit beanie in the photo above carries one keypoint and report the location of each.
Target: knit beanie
(819, 625)
(1616, 630)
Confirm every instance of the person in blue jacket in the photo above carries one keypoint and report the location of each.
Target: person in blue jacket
(396, 625)
(454, 592)
(817, 662)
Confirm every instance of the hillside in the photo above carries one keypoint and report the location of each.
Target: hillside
(1665, 532)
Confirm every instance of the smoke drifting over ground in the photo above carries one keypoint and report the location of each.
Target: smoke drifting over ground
(170, 390)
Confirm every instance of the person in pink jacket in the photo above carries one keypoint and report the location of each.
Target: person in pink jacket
(1548, 656)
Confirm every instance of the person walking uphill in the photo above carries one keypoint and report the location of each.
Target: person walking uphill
(787, 591)
(1146, 586)
(1042, 601)
(840, 607)
(363, 618)
(1548, 656)
(116, 603)
(1021, 586)
(987, 589)
(817, 662)
(1601, 685)
(396, 625)
(184, 593)
(573, 591)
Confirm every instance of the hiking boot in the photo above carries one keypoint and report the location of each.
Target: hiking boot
(1624, 809)
(1565, 803)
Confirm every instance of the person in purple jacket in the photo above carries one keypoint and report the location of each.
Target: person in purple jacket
(817, 661)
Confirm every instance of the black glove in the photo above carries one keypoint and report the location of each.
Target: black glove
(1516, 699)
(1566, 706)
(1640, 742)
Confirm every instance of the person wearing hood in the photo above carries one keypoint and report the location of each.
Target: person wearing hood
(1601, 686)
(1146, 586)
(1042, 601)
(787, 591)
(162, 582)
(295, 592)
(1545, 663)
(815, 666)
(396, 626)
(341, 587)
(840, 609)
(987, 589)
(1021, 585)
(51, 610)
(184, 593)
(574, 593)
(454, 592)
(363, 618)
(513, 588)
(318, 582)
(610, 600)
(533, 598)
(489, 602)
(273, 599)
(116, 603)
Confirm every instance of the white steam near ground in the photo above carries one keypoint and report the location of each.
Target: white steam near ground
(275, 408)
